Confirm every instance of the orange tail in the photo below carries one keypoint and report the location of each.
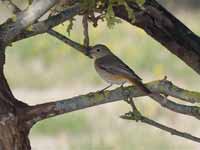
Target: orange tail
(140, 85)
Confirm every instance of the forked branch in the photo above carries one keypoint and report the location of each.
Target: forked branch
(43, 111)
(25, 19)
(43, 26)
(137, 116)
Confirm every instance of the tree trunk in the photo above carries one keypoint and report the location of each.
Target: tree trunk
(13, 131)
(13, 134)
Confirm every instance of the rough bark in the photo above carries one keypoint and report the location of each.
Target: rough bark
(13, 132)
(166, 29)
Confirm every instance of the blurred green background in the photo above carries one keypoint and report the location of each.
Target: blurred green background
(42, 69)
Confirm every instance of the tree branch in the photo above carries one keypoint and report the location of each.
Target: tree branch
(73, 44)
(137, 116)
(44, 26)
(43, 111)
(168, 88)
(166, 29)
(25, 18)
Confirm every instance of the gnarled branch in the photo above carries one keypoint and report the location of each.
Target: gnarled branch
(43, 111)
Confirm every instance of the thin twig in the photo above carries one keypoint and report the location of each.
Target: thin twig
(134, 116)
(137, 116)
(68, 41)
(86, 41)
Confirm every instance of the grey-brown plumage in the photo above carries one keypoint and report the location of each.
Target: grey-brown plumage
(112, 69)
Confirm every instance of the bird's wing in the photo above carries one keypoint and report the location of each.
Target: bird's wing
(114, 65)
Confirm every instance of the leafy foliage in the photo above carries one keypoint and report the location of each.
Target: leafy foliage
(110, 17)
(105, 9)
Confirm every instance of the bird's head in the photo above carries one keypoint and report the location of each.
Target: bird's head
(99, 51)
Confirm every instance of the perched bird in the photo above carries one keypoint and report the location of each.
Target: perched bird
(114, 70)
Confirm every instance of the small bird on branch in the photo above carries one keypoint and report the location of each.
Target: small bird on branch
(113, 70)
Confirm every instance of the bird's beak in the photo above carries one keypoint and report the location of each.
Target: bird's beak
(88, 52)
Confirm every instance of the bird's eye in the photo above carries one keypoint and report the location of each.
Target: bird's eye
(98, 50)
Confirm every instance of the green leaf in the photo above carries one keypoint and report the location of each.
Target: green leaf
(110, 17)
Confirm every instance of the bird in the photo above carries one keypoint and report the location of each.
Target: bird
(113, 70)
